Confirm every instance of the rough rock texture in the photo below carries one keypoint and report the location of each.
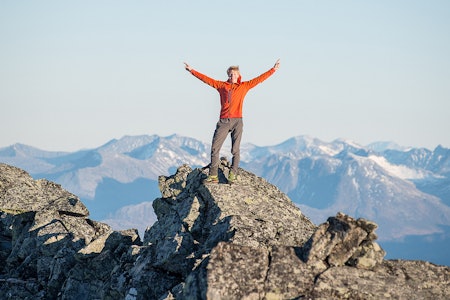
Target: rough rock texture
(20, 193)
(211, 241)
(46, 236)
(341, 241)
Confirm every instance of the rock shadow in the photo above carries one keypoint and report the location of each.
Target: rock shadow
(189, 225)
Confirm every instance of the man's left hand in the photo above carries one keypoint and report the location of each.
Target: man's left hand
(276, 66)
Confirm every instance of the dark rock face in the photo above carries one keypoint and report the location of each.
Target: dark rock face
(47, 242)
(211, 241)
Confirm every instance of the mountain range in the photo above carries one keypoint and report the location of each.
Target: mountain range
(405, 190)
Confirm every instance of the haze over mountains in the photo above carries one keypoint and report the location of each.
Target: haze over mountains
(405, 191)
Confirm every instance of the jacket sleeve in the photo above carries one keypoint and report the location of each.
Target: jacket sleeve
(257, 80)
(208, 80)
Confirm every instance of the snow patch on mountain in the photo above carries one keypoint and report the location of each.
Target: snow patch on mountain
(400, 171)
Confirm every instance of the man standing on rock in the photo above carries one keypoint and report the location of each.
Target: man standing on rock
(232, 93)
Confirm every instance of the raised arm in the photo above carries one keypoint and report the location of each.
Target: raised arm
(208, 80)
(257, 80)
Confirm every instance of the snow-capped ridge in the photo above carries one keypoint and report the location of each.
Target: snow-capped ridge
(386, 145)
(127, 143)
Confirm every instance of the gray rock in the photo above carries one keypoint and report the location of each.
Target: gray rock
(20, 193)
(45, 237)
(394, 279)
(211, 241)
(341, 241)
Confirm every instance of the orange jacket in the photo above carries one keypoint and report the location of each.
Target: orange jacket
(232, 94)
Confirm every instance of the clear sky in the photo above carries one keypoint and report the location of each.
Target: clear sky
(75, 74)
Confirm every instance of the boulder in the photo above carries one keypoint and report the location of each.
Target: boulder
(341, 241)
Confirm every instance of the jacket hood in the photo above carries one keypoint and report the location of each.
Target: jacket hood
(239, 79)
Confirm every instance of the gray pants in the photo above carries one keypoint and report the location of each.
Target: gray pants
(223, 127)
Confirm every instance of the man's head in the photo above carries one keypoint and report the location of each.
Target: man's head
(233, 74)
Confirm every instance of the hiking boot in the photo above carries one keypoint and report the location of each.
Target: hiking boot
(211, 179)
(231, 177)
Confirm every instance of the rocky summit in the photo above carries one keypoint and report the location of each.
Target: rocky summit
(211, 241)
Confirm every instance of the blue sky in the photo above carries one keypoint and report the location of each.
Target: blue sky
(75, 74)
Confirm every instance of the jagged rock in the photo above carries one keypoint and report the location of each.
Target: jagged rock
(193, 220)
(45, 231)
(244, 241)
(288, 276)
(341, 241)
(232, 271)
(393, 279)
(20, 193)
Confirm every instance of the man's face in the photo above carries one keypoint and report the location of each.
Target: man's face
(233, 76)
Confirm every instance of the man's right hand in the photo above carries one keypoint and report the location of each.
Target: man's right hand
(187, 67)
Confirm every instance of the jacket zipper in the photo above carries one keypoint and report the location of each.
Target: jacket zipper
(230, 92)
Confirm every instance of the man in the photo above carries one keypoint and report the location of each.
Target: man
(232, 93)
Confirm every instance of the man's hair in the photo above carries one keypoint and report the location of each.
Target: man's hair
(232, 68)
